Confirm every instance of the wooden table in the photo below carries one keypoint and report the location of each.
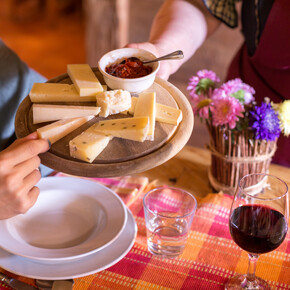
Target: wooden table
(188, 170)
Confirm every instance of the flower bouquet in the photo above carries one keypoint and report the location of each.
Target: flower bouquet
(243, 135)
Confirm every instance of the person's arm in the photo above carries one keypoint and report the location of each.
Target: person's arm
(19, 174)
(178, 25)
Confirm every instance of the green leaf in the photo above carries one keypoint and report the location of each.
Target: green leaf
(239, 95)
(204, 85)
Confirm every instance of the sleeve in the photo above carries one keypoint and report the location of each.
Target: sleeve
(224, 10)
(16, 80)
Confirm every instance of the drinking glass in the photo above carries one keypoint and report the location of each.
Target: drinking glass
(258, 222)
(168, 214)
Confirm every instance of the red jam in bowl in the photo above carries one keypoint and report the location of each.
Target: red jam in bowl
(129, 68)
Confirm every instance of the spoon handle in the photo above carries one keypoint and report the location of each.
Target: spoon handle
(178, 54)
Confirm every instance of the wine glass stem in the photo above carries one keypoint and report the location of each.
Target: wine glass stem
(252, 267)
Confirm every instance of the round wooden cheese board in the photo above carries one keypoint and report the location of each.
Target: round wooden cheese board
(120, 157)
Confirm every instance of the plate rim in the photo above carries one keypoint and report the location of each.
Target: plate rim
(51, 182)
(129, 244)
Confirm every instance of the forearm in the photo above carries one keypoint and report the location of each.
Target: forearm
(181, 25)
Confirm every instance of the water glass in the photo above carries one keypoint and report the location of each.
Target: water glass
(168, 213)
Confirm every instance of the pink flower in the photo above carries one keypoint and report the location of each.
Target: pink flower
(233, 87)
(225, 109)
(208, 74)
(200, 88)
(193, 81)
(195, 100)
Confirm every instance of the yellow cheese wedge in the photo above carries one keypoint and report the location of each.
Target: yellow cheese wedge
(146, 106)
(84, 79)
(135, 129)
(57, 92)
(57, 130)
(113, 102)
(164, 114)
(168, 115)
(46, 113)
(88, 145)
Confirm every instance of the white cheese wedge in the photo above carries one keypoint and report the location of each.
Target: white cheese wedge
(57, 92)
(133, 104)
(146, 106)
(113, 102)
(135, 129)
(84, 79)
(164, 114)
(46, 113)
(88, 145)
(57, 130)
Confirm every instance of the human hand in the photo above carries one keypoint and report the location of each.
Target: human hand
(165, 67)
(18, 175)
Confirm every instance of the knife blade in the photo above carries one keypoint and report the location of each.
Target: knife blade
(15, 284)
(55, 284)
(63, 285)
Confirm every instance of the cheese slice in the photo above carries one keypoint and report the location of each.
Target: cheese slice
(164, 114)
(113, 102)
(146, 106)
(57, 130)
(46, 113)
(84, 79)
(57, 92)
(135, 129)
(88, 145)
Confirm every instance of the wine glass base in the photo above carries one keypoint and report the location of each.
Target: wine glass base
(241, 282)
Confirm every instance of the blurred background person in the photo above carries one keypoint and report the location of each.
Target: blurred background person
(263, 60)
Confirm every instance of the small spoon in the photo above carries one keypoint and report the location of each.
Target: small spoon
(178, 54)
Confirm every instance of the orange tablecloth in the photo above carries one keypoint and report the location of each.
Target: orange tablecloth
(209, 259)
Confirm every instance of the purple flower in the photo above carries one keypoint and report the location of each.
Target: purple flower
(236, 88)
(225, 109)
(265, 122)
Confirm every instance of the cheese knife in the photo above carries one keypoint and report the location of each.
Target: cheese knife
(15, 284)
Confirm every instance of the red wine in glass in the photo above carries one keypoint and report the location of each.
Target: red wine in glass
(258, 222)
(264, 235)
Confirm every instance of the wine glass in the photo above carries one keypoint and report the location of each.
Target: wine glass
(258, 222)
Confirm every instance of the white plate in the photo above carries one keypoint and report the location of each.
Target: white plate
(91, 264)
(72, 218)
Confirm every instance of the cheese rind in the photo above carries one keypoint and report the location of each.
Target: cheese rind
(135, 129)
(113, 102)
(57, 130)
(84, 79)
(164, 114)
(146, 106)
(57, 92)
(46, 113)
(88, 145)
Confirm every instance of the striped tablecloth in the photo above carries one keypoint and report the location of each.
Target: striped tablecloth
(209, 259)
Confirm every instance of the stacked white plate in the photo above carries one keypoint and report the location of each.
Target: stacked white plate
(77, 227)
